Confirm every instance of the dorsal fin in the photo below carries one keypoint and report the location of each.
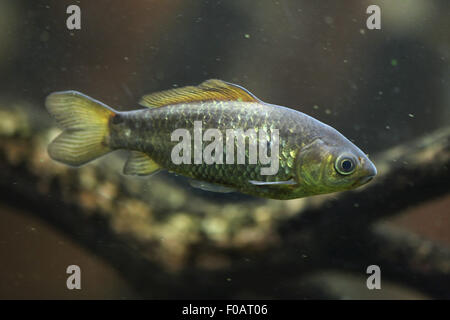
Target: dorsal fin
(213, 89)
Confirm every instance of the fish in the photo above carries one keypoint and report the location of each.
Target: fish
(307, 157)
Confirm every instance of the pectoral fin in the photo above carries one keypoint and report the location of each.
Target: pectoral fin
(140, 164)
(210, 187)
(273, 183)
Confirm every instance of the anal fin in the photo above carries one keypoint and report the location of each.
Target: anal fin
(140, 164)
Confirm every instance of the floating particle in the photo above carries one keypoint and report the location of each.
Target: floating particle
(329, 20)
(394, 62)
(246, 36)
(45, 36)
(327, 111)
(315, 107)
(410, 115)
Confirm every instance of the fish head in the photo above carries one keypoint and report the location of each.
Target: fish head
(331, 164)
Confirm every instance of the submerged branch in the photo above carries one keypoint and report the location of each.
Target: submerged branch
(408, 257)
(171, 241)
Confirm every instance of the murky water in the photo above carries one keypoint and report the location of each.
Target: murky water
(386, 89)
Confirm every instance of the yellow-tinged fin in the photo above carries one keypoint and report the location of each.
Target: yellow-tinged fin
(212, 89)
(140, 164)
(84, 122)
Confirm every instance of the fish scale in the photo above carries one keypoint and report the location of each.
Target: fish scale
(154, 136)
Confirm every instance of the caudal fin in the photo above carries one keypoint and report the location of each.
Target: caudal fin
(84, 122)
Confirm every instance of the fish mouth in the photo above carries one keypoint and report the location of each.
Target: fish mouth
(363, 180)
(369, 171)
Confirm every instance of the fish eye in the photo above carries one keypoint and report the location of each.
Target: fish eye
(345, 164)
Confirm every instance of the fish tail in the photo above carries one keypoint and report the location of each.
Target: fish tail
(84, 122)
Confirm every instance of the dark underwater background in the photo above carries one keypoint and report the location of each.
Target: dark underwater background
(387, 90)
